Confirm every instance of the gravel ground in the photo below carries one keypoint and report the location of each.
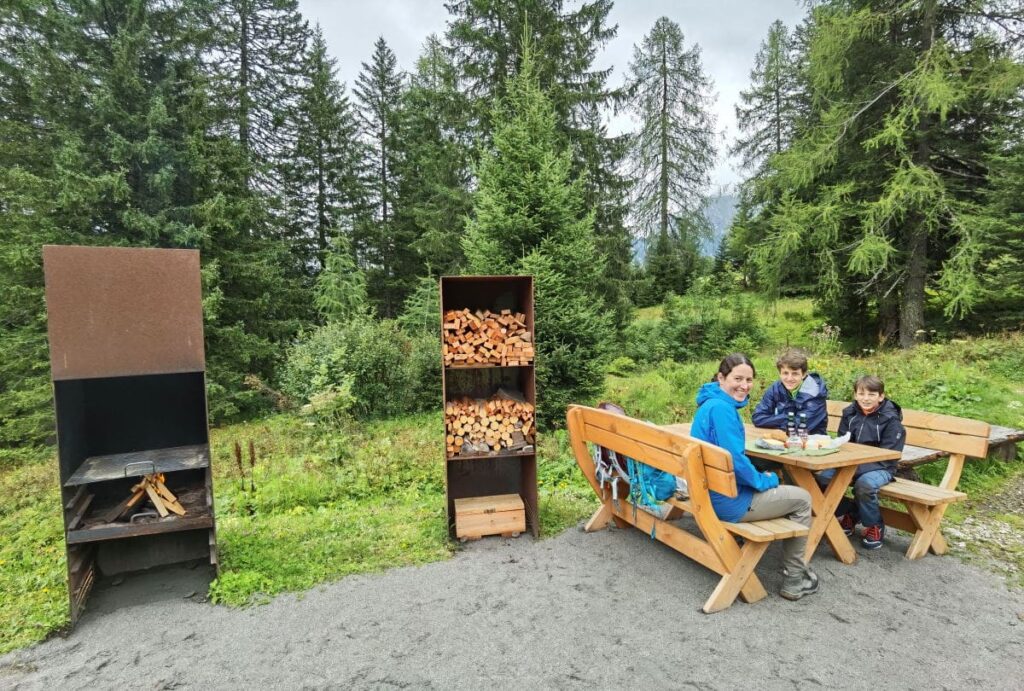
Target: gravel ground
(993, 535)
(603, 610)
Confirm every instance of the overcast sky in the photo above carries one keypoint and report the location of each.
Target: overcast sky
(728, 32)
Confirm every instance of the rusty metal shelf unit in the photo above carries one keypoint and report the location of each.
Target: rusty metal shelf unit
(495, 473)
(129, 386)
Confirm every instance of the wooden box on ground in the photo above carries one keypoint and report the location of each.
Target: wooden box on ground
(504, 514)
(503, 460)
(129, 386)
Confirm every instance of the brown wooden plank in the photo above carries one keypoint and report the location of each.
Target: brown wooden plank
(919, 493)
(665, 438)
(729, 587)
(719, 481)
(489, 504)
(750, 531)
(975, 447)
(481, 524)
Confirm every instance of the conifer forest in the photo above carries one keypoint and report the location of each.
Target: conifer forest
(881, 144)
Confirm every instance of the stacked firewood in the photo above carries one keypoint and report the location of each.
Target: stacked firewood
(502, 422)
(486, 338)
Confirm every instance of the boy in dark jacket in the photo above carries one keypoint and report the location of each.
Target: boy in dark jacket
(872, 420)
(795, 392)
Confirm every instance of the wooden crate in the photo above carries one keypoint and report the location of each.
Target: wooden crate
(502, 514)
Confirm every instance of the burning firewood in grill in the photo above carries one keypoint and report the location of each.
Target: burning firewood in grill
(160, 497)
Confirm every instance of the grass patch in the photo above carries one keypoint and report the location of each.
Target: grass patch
(33, 571)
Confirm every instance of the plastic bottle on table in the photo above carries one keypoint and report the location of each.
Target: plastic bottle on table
(801, 430)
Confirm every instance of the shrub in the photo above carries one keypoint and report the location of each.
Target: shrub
(642, 341)
(622, 366)
(386, 371)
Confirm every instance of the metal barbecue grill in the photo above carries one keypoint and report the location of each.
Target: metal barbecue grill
(129, 385)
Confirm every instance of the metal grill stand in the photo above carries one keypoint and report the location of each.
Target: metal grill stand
(128, 368)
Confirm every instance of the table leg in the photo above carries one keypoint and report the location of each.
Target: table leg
(823, 507)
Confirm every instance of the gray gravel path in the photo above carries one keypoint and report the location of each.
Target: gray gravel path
(576, 611)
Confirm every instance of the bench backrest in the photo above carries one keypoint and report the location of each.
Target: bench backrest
(703, 465)
(953, 435)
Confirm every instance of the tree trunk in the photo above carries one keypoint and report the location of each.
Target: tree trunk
(916, 233)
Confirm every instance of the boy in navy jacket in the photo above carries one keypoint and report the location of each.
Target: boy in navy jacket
(795, 392)
(874, 420)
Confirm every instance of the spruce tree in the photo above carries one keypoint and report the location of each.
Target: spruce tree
(435, 169)
(383, 247)
(768, 111)
(324, 177)
(484, 39)
(257, 69)
(674, 151)
(529, 217)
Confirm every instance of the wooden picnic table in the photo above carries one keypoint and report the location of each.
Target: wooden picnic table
(801, 469)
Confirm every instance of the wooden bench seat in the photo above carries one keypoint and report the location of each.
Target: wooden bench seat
(928, 495)
(959, 438)
(756, 531)
(705, 467)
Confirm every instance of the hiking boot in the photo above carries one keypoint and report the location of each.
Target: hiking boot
(873, 535)
(847, 523)
(795, 586)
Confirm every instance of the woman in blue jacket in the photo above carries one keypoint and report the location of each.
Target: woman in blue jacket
(760, 496)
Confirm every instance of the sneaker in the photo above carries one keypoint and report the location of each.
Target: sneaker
(873, 535)
(847, 523)
(795, 586)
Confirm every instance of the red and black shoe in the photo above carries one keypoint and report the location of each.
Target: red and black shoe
(847, 523)
(873, 535)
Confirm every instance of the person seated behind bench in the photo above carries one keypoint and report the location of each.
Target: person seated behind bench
(873, 420)
(759, 495)
(796, 391)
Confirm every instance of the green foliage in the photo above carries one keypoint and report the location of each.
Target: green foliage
(699, 325)
(340, 293)
(386, 371)
(32, 566)
(421, 312)
(529, 219)
(674, 150)
(886, 182)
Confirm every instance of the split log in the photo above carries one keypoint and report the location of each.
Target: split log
(502, 422)
(486, 338)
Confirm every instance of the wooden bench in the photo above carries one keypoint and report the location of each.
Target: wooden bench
(705, 467)
(925, 504)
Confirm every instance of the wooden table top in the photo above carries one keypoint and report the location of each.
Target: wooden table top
(848, 454)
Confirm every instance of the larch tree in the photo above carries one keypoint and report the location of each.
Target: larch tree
(905, 98)
(673, 152)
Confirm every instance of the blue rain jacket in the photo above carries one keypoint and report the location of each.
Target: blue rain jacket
(718, 422)
(811, 400)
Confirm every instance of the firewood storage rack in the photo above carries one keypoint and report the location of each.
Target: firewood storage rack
(502, 472)
(128, 368)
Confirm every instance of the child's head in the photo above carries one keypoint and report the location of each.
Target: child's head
(792, 365)
(869, 392)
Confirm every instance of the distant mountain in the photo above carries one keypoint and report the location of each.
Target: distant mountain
(720, 211)
(721, 208)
